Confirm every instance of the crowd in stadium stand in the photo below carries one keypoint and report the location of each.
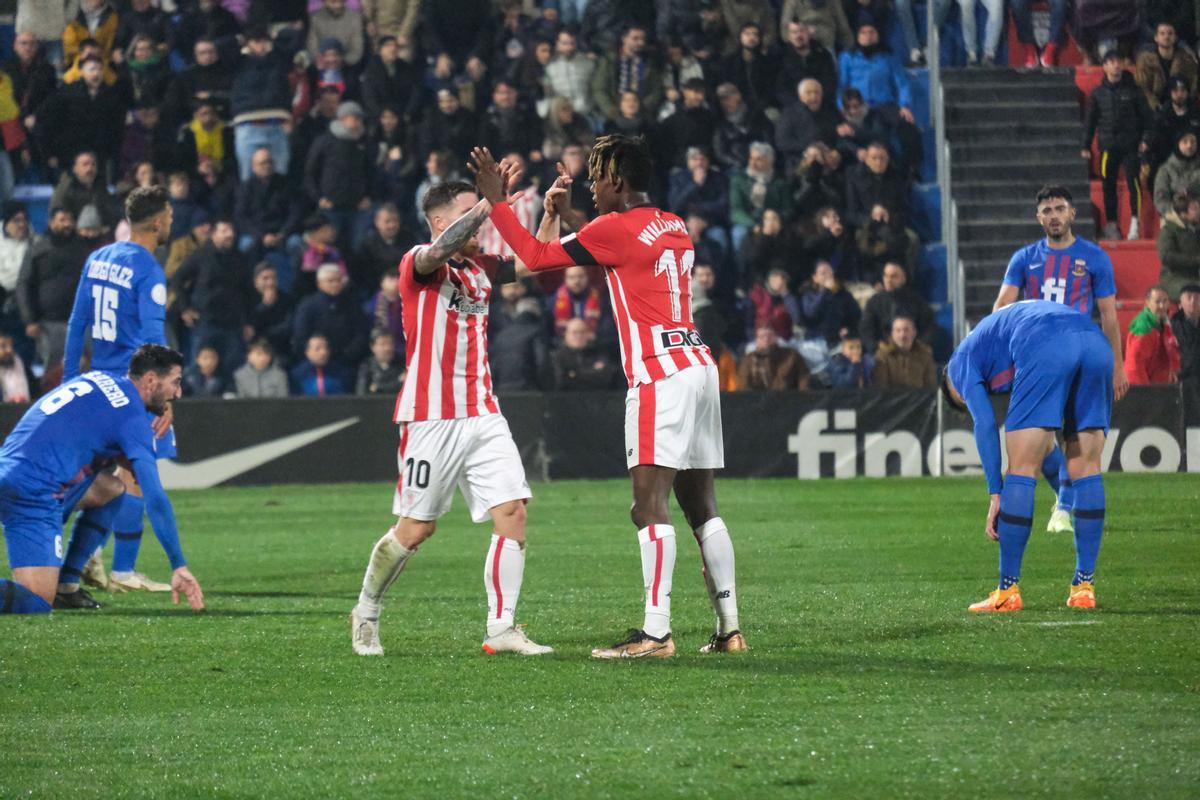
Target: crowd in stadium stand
(297, 138)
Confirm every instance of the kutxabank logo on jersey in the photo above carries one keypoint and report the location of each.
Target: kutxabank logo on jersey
(463, 305)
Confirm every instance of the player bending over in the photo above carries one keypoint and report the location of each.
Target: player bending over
(1068, 269)
(673, 407)
(451, 429)
(1059, 367)
(49, 454)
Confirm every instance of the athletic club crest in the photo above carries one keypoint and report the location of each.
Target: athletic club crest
(1080, 268)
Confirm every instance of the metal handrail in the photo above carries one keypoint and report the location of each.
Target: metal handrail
(955, 282)
(957, 279)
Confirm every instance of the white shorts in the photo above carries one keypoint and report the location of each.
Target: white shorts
(477, 454)
(676, 422)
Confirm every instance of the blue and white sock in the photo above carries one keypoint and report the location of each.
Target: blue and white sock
(1089, 526)
(16, 599)
(1013, 525)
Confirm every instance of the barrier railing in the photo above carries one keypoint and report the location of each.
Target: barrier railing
(955, 288)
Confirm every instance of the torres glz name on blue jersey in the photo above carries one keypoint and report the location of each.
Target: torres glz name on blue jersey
(121, 302)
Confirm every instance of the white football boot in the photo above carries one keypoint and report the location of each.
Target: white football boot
(93, 571)
(364, 635)
(514, 640)
(1060, 522)
(136, 582)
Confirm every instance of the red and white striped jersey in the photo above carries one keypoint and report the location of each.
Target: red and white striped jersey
(647, 257)
(527, 208)
(445, 326)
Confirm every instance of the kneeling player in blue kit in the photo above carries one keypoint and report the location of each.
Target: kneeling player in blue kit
(49, 456)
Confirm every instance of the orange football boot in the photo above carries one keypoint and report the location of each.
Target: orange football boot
(1083, 595)
(1000, 600)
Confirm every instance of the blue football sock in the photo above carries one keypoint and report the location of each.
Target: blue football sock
(1014, 524)
(89, 532)
(127, 537)
(1066, 497)
(125, 550)
(1089, 526)
(1052, 468)
(16, 599)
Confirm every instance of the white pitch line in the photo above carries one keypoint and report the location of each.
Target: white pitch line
(1059, 623)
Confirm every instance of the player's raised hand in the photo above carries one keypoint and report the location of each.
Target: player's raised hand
(182, 581)
(993, 513)
(511, 171)
(558, 197)
(554, 198)
(488, 180)
(563, 174)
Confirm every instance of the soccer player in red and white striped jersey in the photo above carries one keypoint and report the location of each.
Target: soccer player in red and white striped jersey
(673, 409)
(451, 429)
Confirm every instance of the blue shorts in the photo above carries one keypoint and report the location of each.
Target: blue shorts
(32, 529)
(1068, 385)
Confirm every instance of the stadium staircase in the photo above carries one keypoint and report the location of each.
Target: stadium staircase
(1010, 132)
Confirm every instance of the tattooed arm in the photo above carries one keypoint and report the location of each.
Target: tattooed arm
(452, 239)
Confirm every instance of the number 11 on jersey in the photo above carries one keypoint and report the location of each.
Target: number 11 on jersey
(675, 269)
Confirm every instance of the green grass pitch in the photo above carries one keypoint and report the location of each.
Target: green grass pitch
(866, 678)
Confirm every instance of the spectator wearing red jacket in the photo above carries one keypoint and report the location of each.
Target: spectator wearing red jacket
(576, 299)
(1151, 350)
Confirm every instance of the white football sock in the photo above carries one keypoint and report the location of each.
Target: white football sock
(502, 573)
(121, 576)
(658, 565)
(387, 562)
(716, 548)
(68, 588)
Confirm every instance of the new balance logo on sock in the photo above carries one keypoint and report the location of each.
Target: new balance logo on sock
(723, 595)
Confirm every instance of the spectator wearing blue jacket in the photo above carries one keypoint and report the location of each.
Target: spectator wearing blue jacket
(881, 79)
(334, 314)
(317, 375)
(827, 311)
(700, 188)
(850, 368)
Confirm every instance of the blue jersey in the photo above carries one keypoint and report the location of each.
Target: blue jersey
(1075, 277)
(95, 416)
(122, 302)
(1037, 344)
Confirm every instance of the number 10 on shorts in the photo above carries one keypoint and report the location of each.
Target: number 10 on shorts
(416, 473)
